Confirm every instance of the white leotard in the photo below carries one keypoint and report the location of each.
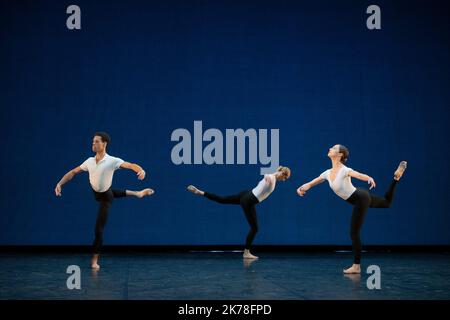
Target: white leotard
(264, 189)
(342, 183)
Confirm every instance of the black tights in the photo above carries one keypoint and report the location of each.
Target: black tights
(105, 200)
(247, 200)
(361, 200)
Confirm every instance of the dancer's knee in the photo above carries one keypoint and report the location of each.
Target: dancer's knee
(384, 204)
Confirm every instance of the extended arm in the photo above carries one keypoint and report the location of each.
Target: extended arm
(302, 190)
(136, 168)
(67, 177)
(363, 177)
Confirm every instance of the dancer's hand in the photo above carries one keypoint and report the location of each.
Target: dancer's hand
(372, 183)
(141, 175)
(58, 190)
(302, 190)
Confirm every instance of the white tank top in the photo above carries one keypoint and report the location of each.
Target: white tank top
(264, 189)
(342, 183)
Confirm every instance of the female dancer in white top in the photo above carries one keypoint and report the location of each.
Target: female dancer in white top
(339, 179)
(248, 200)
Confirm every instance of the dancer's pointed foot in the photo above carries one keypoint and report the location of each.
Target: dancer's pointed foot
(355, 268)
(400, 170)
(145, 192)
(95, 266)
(194, 190)
(94, 262)
(248, 255)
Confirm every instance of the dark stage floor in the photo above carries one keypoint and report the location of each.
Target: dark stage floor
(224, 275)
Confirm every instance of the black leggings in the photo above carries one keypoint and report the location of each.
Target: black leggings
(247, 200)
(105, 200)
(361, 200)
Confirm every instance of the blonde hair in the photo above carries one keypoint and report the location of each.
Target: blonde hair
(285, 170)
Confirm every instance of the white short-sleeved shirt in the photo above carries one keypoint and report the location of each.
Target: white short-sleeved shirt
(264, 189)
(101, 173)
(342, 183)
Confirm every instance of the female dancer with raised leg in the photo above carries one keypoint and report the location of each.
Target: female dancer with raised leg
(248, 199)
(339, 179)
(101, 169)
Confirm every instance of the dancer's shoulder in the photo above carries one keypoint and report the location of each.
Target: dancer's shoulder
(324, 175)
(110, 157)
(269, 176)
(348, 169)
(89, 159)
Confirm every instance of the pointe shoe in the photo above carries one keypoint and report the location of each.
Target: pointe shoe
(248, 255)
(400, 170)
(193, 189)
(95, 266)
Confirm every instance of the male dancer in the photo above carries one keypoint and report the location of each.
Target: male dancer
(101, 169)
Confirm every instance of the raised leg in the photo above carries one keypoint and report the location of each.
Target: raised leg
(386, 201)
(232, 199)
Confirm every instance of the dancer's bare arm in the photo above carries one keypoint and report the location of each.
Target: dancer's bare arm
(136, 168)
(302, 190)
(68, 176)
(363, 177)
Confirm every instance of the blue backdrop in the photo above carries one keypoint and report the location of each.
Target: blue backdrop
(141, 69)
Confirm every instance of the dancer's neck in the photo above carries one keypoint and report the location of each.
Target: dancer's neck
(100, 155)
(336, 163)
